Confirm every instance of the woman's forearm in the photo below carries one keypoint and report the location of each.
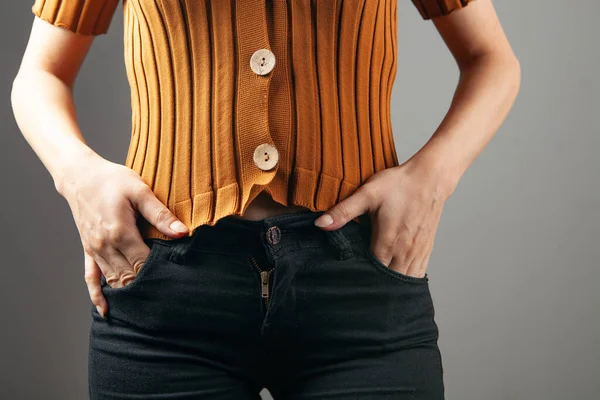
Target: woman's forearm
(45, 113)
(485, 93)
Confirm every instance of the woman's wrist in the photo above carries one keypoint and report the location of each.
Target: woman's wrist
(435, 170)
(70, 165)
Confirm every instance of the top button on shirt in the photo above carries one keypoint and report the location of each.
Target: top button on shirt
(266, 156)
(262, 61)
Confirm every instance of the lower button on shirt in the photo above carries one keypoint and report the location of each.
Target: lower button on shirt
(262, 61)
(266, 156)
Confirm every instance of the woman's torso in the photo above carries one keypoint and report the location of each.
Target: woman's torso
(213, 135)
(264, 206)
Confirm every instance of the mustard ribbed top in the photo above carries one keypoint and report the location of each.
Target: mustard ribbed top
(202, 116)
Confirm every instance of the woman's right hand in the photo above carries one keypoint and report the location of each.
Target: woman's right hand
(104, 198)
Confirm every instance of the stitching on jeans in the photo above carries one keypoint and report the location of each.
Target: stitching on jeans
(296, 244)
(208, 250)
(295, 249)
(394, 274)
(178, 253)
(366, 251)
(288, 216)
(277, 250)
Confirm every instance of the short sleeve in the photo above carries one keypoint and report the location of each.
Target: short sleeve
(437, 8)
(85, 17)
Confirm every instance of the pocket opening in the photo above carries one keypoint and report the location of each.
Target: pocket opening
(381, 267)
(157, 249)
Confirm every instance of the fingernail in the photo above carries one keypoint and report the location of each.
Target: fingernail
(100, 311)
(178, 226)
(324, 220)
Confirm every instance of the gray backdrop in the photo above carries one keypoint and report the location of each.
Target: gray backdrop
(515, 267)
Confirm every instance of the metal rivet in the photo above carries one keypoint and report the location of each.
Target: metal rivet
(273, 235)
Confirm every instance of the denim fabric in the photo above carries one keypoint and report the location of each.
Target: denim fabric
(275, 303)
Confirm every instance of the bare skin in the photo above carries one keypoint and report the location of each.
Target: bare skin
(264, 206)
(404, 202)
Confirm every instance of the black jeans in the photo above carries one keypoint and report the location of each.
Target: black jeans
(275, 303)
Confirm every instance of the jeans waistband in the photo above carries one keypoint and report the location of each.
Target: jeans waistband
(277, 233)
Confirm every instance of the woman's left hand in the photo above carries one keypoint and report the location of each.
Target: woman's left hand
(404, 204)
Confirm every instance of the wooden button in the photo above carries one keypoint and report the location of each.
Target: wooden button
(266, 156)
(262, 61)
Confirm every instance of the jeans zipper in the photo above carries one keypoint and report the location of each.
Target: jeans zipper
(264, 282)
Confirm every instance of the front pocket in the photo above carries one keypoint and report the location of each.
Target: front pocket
(380, 266)
(157, 252)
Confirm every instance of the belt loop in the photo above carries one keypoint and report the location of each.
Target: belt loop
(180, 250)
(341, 243)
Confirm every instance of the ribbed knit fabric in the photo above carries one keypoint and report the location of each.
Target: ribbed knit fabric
(199, 111)
(438, 8)
(85, 17)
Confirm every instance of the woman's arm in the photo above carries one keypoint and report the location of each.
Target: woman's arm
(42, 98)
(490, 78)
(104, 196)
(405, 202)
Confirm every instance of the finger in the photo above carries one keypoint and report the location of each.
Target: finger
(413, 251)
(428, 249)
(135, 250)
(351, 207)
(425, 264)
(156, 213)
(117, 270)
(417, 265)
(384, 238)
(409, 249)
(424, 242)
(92, 276)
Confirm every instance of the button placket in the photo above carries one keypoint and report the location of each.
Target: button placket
(252, 106)
(265, 155)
